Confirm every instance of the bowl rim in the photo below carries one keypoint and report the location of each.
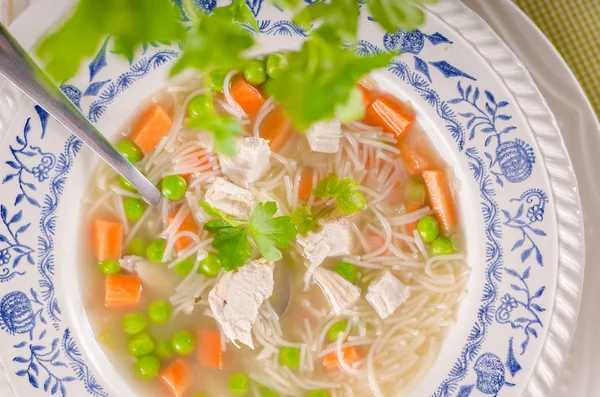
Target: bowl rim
(570, 232)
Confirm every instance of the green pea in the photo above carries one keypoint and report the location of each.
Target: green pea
(210, 266)
(238, 383)
(134, 208)
(156, 250)
(347, 271)
(254, 72)
(442, 246)
(125, 184)
(428, 228)
(129, 150)
(200, 105)
(147, 367)
(217, 80)
(290, 357)
(173, 187)
(183, 343)
(164, 349)
(337, 328)
(415, 191)
(138, 246)
(159, 312)
(185, 267)
(110, 267)
(134, 323)
(276, 64)
(317, 393)
(140, 345)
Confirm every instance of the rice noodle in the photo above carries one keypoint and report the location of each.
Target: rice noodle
(227, 94)
(263, 112)
(410, 217)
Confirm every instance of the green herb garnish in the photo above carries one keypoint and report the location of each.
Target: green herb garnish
(131, 23)
(318, 83)
(217, 41)
(224, 130)
(349, 200)
(271, 233)
(231, 236)
(303, 219)
(320, 78)
(398, 14)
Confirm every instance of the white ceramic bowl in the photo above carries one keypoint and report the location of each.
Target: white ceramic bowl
(518, 201)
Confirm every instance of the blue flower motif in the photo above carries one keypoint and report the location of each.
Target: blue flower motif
(535, 213)
(508, 303)
(4, 256)
(404, 42)
(40, 171)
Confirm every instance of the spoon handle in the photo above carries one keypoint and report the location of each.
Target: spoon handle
(20, 69)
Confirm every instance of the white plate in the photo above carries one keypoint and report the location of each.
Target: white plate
(523, 297)
(581, 130)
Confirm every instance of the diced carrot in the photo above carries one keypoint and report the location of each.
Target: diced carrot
(247, 96)
(412, 206)
(440, 198)
(151, 127)
(176, 378)
(384, 113)
(107, 239)
(188, 225)
(209, 351)
(350, 355)
(276, 128)
(366, 95)
(306, 185)
(122, 290)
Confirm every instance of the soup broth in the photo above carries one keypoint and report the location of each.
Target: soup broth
(372, 294)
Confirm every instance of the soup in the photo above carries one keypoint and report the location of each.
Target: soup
(365, 272)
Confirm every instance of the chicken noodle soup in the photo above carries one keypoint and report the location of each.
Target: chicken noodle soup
(314, 264)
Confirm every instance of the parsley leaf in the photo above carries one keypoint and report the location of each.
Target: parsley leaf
(271, 233)
(239, 12)
(224, 129)
(231, 236)
(349, 200)
(303, 219)
(339, 15)
(319, 77)
(130, 23)
(219, 215)
(216, 41)
(354, 109)
(287, 4)
(398, 14)
(233, 246)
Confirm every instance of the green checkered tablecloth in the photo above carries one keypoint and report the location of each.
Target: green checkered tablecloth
(573, 26)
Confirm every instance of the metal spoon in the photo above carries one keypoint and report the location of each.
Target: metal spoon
(18, 67)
